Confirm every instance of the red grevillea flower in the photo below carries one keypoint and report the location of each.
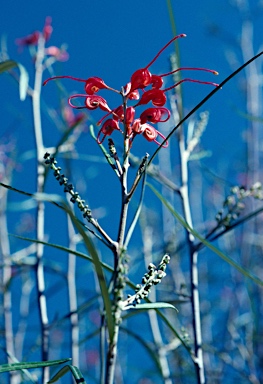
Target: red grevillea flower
(33, 38)
(57, 53)
(142, 77)
(156, 96)
(150, 134)
(47, 30)
(136, 126)
(92, 84)
(108, 127)
(91, 102)
(157, 81)
(118, 114)
(155, 115)
(132, 95)
(29, 39)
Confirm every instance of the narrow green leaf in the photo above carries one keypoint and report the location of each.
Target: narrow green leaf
(158, 305)
(63, 248)
(23, 81)
(99, 271)
(7, 65)
(148, 347)
(203, 240)
(30, 365)
(92, 251)
(79, 378)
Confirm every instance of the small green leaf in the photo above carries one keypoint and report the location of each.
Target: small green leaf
(7, 65)
(155, 306)
(75, 373)
(23, 81)
(30, 365)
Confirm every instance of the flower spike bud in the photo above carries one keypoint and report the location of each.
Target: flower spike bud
(192, 81)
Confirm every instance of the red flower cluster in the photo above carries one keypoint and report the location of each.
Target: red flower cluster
(59, 54)
(32, 39)
(150, 86)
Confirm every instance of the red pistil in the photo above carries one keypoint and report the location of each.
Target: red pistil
(166, 45)
(190, 69)
(92, 84)
(192, 81)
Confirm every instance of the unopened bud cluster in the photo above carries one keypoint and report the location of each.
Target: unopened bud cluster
(234, 203)
(152, 277)
(75, 197)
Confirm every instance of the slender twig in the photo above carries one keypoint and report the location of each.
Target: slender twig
(137, 214)
(118, 281)
(156, 332)
(39, 269)
(72, 293)
(6, 277)
(198, 361)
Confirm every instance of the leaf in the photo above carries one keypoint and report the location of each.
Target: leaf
(79, 378)
(29, 365)
(99, 271)
(148, 347)
(203, 240)
(63, 248)
(154, 306)
(23, 81)
(92, 251)
(7, 65)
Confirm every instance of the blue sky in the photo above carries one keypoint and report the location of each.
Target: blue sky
(112, 39)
